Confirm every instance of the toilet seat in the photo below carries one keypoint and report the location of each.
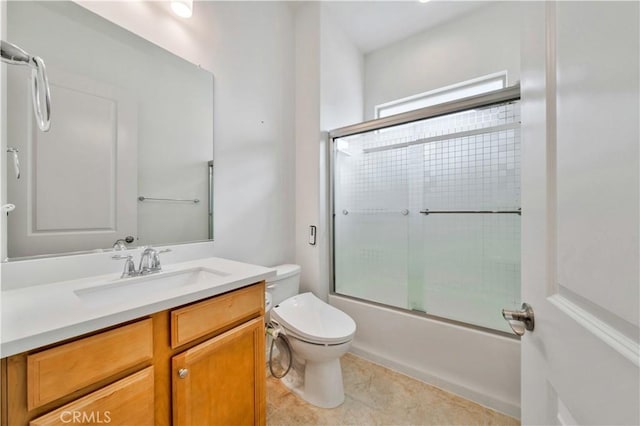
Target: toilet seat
(310, 319)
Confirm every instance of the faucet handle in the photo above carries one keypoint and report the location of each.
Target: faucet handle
(155, 261)
(150, 261)
(129, 266)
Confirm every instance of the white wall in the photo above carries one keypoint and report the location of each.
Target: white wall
(341, 75)
(329, 72)
(254, 152)
(307, 135)
(485, 41)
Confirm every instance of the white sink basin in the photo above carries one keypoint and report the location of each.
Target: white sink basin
(125, 289)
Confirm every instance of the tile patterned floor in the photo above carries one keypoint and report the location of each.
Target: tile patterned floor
(375, 395)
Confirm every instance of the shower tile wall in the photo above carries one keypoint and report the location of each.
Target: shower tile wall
(459, 266)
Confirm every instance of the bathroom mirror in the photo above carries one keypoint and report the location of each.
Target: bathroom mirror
(130, 148)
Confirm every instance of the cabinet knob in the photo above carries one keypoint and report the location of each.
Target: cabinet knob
(183, 372)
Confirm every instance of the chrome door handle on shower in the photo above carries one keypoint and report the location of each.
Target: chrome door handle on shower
(16, 161)
(520, 321)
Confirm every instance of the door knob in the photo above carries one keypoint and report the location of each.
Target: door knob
(520, 321)
(183, 372)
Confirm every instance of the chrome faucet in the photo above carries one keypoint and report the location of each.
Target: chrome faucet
(149, 263)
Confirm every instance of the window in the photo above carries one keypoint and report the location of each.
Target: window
(467, 88)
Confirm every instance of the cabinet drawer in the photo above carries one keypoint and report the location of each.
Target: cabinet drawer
(206, 317)
(126, 402)
(59, 371)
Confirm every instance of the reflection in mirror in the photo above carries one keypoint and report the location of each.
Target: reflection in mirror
(130, 148)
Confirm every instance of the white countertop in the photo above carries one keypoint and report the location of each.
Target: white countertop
(39, 315)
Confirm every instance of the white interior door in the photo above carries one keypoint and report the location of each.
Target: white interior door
(580, 222)
(78, 182)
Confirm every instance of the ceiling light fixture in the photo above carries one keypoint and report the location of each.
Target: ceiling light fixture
(182, 8)
(424, 1)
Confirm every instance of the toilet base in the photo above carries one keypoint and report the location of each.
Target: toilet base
(322, 384)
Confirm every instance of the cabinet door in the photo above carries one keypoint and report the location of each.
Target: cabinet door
(126, 402)
(222, 381)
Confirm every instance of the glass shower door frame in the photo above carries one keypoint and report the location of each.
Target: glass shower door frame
(497, 97)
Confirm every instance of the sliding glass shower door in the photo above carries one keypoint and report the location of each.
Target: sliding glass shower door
(427, 214)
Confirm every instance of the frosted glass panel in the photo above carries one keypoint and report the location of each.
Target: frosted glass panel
(371, 233)
(427, 215)
(372, 260)
(470, 268)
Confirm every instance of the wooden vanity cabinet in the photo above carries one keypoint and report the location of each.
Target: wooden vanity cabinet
(198, 364)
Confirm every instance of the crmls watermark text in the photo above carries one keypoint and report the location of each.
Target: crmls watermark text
(85, 417)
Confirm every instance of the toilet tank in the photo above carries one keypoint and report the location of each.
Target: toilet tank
(285, 284)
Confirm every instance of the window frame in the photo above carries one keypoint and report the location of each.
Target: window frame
(419, 99)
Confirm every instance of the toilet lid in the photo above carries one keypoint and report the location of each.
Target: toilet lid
(313, 320)
(284, 271)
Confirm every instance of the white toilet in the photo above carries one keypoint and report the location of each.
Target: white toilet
(319, 335)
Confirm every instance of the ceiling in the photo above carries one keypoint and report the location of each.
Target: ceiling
(375, 24)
